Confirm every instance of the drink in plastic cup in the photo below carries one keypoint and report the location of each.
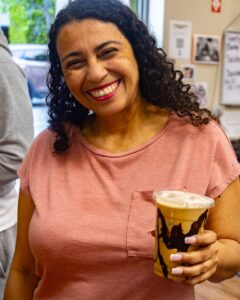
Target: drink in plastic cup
(179, 215)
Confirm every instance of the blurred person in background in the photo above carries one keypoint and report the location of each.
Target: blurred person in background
(16, 134)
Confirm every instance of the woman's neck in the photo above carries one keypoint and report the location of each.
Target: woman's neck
(125, 131)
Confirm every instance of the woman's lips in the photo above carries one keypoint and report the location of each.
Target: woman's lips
(104, 92)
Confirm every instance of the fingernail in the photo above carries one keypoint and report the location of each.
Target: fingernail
(175, 257)
(190, 239)
(177, 271)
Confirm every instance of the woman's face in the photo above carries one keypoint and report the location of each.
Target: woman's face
(99, 66)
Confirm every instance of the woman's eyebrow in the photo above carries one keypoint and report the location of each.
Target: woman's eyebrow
(73, 53)
(98, 48)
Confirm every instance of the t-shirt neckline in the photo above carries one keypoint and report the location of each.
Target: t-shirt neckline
(102, 152)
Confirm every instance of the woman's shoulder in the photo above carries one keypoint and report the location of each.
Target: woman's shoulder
(184, 127)
(42, 144)
(43, 137)
(48, 135)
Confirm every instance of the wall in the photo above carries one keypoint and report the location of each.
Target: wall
(203, 22)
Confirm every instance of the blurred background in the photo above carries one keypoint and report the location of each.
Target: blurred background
(25, 24)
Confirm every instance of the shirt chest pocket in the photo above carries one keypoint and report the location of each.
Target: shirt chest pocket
(141, 221)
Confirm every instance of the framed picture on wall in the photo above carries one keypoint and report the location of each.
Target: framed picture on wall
(206, 49)
(188, 71)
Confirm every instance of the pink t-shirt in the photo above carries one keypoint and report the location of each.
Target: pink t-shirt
(89, 232)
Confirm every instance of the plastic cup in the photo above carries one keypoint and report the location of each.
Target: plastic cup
(179, 215)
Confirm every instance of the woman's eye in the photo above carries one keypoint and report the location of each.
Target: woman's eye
(75, 63)
(108, 53)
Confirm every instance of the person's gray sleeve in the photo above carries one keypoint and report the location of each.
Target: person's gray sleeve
(16, 121)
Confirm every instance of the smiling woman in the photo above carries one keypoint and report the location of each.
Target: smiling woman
(127, 42)
(122, 125)
(100, 69)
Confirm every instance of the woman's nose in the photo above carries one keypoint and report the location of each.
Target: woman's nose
(96, 71)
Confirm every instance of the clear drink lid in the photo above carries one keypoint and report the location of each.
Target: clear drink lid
(182, 199)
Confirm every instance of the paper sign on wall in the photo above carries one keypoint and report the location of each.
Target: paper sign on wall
(231, 69)
(180, 33)
(230, 121)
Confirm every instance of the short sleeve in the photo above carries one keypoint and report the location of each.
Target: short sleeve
(225, 167)
(23, 172)
(36, 156)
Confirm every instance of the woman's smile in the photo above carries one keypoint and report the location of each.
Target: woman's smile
(104, 92)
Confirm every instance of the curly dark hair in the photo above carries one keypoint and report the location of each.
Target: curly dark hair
(159, 83)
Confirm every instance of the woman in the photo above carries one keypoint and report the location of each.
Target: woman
(122, 124)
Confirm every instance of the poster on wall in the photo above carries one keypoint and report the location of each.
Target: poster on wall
(230, 120)
(206, 49)
(231, 69)
(180, 39)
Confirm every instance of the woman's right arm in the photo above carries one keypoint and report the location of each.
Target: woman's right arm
(22, 279)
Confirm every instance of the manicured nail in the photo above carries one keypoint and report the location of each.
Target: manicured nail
(190, 239)
(176, 257)
(177, 271)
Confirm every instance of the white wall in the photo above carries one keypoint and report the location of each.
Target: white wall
(203, 22)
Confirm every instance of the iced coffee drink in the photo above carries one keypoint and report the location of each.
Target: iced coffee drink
(179, 215)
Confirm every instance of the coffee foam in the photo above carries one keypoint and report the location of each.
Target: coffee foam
(182, 199)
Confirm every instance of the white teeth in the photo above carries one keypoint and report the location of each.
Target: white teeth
(105, 91)
(108, 89)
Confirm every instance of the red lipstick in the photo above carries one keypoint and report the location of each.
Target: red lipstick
(104, 97)
(100, 87)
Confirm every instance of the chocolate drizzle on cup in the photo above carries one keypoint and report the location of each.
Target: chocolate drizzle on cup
(175, 238)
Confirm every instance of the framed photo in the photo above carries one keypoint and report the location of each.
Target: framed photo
(180, 33)
(206, 49)
(188, 71)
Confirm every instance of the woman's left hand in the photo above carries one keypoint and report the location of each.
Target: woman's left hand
(197, 266)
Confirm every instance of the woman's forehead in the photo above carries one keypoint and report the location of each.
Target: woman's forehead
(89, 32)
(91, 26)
